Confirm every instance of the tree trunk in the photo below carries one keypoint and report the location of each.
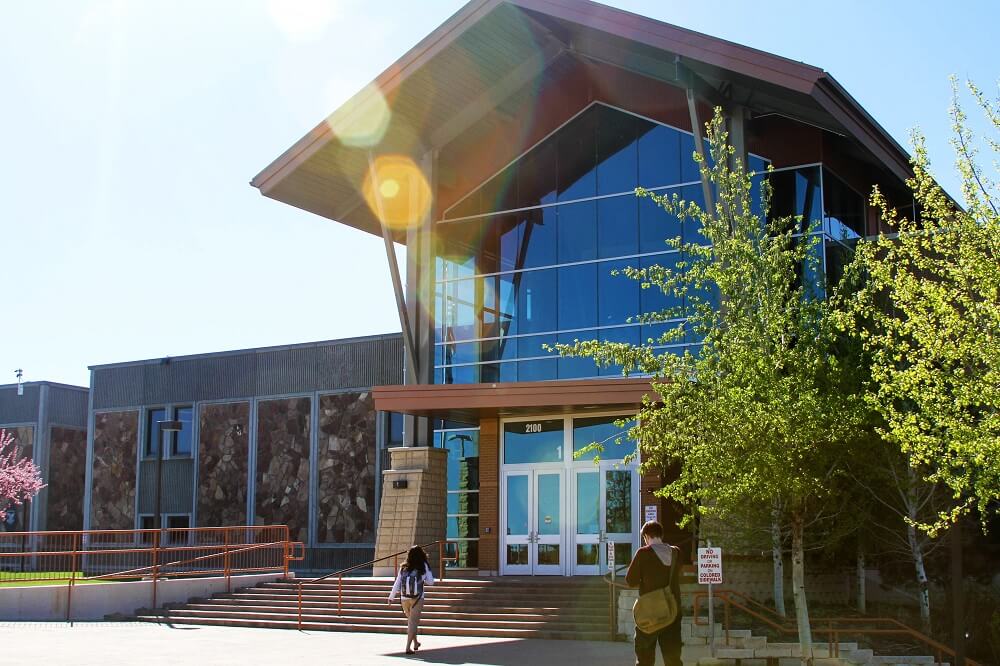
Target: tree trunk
(862, 582)
(799, 587)
(917, 552)
(779, 564)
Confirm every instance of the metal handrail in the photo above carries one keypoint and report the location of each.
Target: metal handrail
(80, 544)
(441, 543)
(732, 599)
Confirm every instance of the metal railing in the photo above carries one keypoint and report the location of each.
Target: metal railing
(90, 556)
(442, 558)
(833, 628)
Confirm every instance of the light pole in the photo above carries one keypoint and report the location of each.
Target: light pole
(165, 427)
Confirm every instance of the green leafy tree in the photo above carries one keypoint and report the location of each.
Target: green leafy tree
(760, 413)
(928, 313)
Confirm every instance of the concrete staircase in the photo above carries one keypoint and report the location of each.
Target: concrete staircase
(562, 608)
(745, 649)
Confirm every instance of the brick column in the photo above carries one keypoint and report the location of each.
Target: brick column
(416, 514)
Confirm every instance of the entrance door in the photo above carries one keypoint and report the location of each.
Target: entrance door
(604, 499)
(533, 544)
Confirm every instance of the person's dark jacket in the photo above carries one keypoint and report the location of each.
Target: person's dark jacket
(648, 572)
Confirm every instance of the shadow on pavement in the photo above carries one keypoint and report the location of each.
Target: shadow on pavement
(525, 653)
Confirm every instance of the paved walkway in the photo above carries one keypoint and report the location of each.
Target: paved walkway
(112, 643)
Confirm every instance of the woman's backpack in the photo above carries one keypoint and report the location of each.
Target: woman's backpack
(413, 585)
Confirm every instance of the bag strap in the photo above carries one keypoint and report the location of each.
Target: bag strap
(675, 561)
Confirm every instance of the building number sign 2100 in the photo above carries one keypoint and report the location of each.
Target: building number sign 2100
(532, 428)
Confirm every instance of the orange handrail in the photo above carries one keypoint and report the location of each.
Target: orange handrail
(742, 602)
(340, 573)
(47, 555)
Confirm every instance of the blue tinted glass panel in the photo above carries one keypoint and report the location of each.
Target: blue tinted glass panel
(692, 226)
(689, 168)
(538, 370)
(617, 154)
(588, 503)
(463, 527)
(549, 503)
(499, 314)
(456, 246)
(578, 157)
(808, 198)
(618, 226)
(507, 372)
(458, 316)
(499, 243)
(461, 374)
(533, 441)
(659, 157)
(537, 301)
(182, 439)
(154, 436)
(537, 178)
(653, 299)
(618, 507)
(463, 458)
(578, 296)
(517, 505)
(618, 295)
(467, 352)
(577, 231)
(626, 334)
(576, 367)
(533, 345)
(539, 237)
(656, 225)
(602, 430)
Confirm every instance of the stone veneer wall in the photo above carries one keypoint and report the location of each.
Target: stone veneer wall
(112, 494)
(24, 442)
(282, 475)
(223, 461)
(346, 468)
(67, 477)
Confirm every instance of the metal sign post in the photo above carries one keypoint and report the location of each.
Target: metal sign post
(710, 573)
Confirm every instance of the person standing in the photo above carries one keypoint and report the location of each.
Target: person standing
(653, 568)
(413, 576)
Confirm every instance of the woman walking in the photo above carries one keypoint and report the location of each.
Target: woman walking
(654, 570)
(414, 574)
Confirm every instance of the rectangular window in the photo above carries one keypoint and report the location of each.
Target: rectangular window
(182, 439)
(462, 445)
(154, 436)
(533, 441)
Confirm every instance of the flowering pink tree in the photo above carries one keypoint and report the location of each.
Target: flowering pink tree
(20, 480)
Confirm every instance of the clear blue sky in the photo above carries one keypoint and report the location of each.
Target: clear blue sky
(129, 131)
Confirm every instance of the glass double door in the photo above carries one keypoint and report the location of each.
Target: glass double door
(560, 508)
(535, 518)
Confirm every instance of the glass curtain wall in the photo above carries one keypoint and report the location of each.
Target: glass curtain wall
(527, 259)
(462, 444)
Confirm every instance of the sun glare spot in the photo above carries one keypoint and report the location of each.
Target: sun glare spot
(362, 123)
(397, 192)
(302, 20)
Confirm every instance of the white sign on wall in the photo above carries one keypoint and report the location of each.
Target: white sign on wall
(611, 555)
(651, 512)
(710, 566)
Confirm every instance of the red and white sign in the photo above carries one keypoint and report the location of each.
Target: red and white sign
(710, 566)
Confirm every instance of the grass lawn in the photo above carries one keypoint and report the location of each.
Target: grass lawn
(34, 575)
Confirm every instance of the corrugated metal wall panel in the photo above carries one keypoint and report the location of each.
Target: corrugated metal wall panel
(16, 408)
(170, 381)
(177, 486)
(227, 377)
(118, 387)
(67, 407)
(286, 371)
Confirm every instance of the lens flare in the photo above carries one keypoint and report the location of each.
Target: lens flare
(397, 192)
(362, 123)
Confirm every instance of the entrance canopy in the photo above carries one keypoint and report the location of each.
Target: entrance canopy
(471, 402)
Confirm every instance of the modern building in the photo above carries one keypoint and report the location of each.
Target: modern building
(273, 435)
(503, 150)
(49, 425)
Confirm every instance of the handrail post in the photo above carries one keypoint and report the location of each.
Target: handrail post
(225, 559)
(156, 563)
(441, 545)
(340, 594)
(72, 577)
(729, 603)
(300, 606)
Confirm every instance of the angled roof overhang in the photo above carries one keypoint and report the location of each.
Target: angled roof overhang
(490, 50)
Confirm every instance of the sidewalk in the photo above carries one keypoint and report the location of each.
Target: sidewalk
(112, 643)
